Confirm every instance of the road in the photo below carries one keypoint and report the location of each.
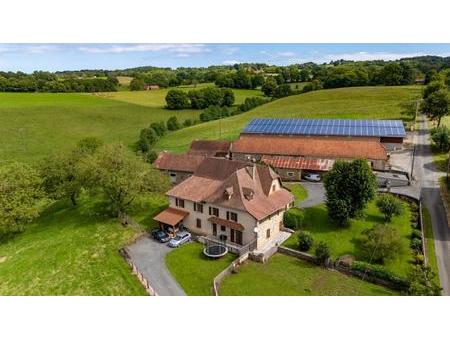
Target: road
(427, 177)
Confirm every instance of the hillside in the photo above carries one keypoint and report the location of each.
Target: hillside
(356, 103)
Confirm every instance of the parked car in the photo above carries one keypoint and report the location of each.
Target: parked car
(181, 238)
(312, 177)
(160, 236)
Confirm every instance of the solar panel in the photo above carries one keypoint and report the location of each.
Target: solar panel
(332, 127)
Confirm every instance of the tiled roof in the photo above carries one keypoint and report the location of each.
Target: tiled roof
(171, 216)
(209, 147)
(234, 185)
(292, 162)
(178, 162)
(319, 147)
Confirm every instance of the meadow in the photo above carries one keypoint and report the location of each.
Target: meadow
(356, 103)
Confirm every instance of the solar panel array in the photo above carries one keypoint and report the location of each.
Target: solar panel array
(332, 127)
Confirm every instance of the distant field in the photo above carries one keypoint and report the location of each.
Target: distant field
(356, 103)
(157, 98)
(33, 125)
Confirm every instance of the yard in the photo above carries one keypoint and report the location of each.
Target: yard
(299, 191)
(193, 270)
(341, 241)
(288, 276)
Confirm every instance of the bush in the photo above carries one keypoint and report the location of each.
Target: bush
(380, 272)
(252, 102)
(150, 156)
(416, 244)
(293, 218)
(416, 234)
(441, 138)
(177, 99)
(322, 252)
(283, 91)
(173, 124)
(422, 281)
(305, 241)
(147, 139)
(389, 206)
(159, 127)
(228, 97)
(215, 113)
(188, 123)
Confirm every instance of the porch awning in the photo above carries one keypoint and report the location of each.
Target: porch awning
(227, 223)
(171, 216)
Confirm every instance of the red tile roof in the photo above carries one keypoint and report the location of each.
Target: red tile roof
(209, 147)
(171, 216)
(292, 162)
(178, 162)
(319, 147)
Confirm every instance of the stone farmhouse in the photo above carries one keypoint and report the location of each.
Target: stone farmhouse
(238, 203)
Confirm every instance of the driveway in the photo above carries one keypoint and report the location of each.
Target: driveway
(148, 256)
(427, 176)
(316, 194)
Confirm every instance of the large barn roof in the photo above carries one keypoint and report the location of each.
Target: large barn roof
(331, 127)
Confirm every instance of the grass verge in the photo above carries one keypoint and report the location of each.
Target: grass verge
(429, 243)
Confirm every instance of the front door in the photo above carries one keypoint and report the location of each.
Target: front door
(232, 235)
(214, 226)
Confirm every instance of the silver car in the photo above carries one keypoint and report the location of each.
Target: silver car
(312, 177)
(181, 238)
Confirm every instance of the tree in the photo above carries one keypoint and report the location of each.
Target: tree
(389, 206)
(20, 190)
(349, 187)
(268, 88)
(228, 97)
(147, 138)
(177, 99)
(173, 124)
(432, 87)
(322, 252)
(422, 282)
(61, 174)
(379, 243)
(305, 241)
(436, 105)
(122, 176)
(159, 127)
(408, 109)
(283, 90)
(137, 84)
(441, 137)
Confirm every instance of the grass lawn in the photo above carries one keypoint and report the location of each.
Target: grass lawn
(70, 251)
(288, 276)
(193, 270)
(429, 243)
(298, 190)
(358, 103)
(341, 240)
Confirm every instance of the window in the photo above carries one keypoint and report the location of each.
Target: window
(179, 202)
(214, 211)
(198, 207)
(238, 239)
(231, 216)
(199, 223)
(222, 228)
(268, 233)
(290, 174)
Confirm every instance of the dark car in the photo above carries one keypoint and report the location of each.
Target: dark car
(160, 236)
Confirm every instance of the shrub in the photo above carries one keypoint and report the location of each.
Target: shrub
(147, 138)
(416, 244)
(305, 241)
(422, 282)
(419, 259)
(380, 272)
(322, 252)
(159, 127)
(283, 90)
(441, 137)
(228, 97)
(177, 99)
(215, 113)
(389, 206)
(252, 102)
(416, 234)
(380, 242)
(293, 218)
(150, 156)
(173, 124)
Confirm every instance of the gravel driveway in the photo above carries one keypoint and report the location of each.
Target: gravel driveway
(148, 255)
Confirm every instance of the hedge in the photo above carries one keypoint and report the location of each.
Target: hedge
(378, 271)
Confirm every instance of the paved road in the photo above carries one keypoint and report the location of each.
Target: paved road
(427, 176)
(148, 255)
(316, 194)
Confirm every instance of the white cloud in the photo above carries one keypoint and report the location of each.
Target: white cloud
(230, 62)
(27, 49)
(180, 49)
(286, 54)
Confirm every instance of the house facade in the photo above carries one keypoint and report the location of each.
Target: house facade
(229, 201)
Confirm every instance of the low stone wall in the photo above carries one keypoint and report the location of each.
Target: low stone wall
(226, 272)
(144, 282)
(297, 254)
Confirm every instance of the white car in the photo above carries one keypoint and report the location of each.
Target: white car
(312, 177)
(181, 238)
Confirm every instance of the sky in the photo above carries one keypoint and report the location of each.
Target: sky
(57, 57)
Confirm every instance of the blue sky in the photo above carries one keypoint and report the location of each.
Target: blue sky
(53, 57)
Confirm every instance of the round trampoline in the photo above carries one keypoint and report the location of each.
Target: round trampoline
(215, 251)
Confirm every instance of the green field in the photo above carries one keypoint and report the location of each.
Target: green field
(341, 240)
(288, 276)
(193, 270)
(357, 103)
